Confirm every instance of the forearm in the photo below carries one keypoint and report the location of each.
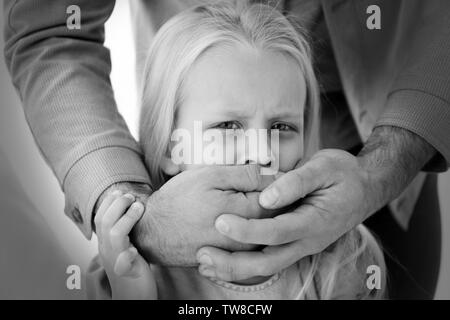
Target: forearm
(62, 77)
(391, 158)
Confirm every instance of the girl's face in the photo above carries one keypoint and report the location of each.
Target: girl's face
(239, 87)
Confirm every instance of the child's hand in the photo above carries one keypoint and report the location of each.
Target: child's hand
(129, 274)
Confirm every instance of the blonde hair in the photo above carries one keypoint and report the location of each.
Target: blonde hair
(185, 37)
(177, 46)
(341, 270)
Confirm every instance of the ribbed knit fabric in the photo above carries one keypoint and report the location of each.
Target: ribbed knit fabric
(406, 109)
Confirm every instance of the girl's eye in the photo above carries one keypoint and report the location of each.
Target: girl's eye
(226, 125)
(282, 127)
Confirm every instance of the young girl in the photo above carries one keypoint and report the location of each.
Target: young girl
(228, 68)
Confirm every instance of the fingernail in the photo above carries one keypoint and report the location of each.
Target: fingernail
(129, 196)
(205, 260)
(133, 251)
(138, 206)
(269, 197)
(207, 272)
(222, 226)
(116, 193)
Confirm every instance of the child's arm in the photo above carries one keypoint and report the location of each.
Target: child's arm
(129, 274)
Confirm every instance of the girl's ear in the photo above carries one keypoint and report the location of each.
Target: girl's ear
(169, 167)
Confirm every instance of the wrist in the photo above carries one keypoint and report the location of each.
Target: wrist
(389, 161)
(376, 182)
(143, 235)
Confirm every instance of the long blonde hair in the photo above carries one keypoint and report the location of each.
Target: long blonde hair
(341, 271)
(185, 37)
(175, 49)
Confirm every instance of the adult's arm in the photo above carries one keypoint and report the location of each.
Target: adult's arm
(338, 190)
(62, 77)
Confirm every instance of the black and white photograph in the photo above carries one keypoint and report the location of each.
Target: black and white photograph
(225, 150)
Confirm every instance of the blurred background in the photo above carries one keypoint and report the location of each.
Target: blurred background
(37, 241)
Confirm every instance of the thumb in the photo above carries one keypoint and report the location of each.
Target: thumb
(294, 185)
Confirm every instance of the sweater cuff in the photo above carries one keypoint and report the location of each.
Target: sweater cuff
(424, 114)
(91, 175)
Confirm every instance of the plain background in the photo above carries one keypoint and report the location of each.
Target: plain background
(38, 240)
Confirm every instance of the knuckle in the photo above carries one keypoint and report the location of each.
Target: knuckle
(248, 231)
(323, 159)
(250, 202)
(110, 197)
(274, 237)
(244, 237)
(106, 222)
(297, 173)
(230, 272)
(299, 178)
(114, 233)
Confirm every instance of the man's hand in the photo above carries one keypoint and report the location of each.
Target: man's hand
(179, 218)
(332, 187)
(336, 191)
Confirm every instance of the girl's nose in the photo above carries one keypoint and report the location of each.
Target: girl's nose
(261, 155)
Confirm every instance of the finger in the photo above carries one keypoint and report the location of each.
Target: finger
(244, 178)
(124, 261)
(115, 211)
(295, 185)
(245, 205)
(281, 229)
(109, 199)
(120, 231)
(235, 266)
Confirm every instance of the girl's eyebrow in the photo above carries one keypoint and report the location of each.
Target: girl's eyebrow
(286, 114)
(232, 111)
(278, 113)
(238, 113)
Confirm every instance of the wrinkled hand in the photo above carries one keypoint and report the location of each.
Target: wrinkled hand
(179, 217)
(334, 190)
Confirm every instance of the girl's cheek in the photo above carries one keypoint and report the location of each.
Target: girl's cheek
(290, 152)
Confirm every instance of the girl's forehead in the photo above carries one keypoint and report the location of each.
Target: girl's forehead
(241, 78)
